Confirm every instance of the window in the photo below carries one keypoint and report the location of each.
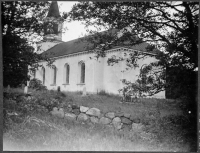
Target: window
(43, 75)
(66, 73)
(82, 72)
(54, 70)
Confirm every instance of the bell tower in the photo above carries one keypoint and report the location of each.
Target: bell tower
(53, 24)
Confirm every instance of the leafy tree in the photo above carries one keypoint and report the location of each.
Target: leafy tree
(21, 26)
(171, 27)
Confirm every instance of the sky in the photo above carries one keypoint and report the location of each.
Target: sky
(74, 29)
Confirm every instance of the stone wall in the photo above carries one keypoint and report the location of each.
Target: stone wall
(118, 120)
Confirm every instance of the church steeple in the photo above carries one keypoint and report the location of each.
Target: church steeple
(54, 10)
(53, 23)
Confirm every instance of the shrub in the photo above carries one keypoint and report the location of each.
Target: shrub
(25, 104)
(104, 93)
(37, 84)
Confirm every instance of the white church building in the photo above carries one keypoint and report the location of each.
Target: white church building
(75, 68)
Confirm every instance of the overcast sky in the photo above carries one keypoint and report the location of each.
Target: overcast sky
(74, 29)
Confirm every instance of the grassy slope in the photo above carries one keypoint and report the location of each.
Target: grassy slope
(108, 103)
(51, 133)
(45, 132)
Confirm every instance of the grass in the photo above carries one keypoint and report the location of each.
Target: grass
(41, 131)
(51, 133)
(108, 103)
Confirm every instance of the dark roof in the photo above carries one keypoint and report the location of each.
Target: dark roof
(80, 45)
(53, 10)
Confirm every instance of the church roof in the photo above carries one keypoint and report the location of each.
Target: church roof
(80, 45)
(53, 10)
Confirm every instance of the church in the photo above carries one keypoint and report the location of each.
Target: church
(76, 69)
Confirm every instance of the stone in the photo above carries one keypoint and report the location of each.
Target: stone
(132, 118)
(83, 109)
(104, 120)
(70, 116)
(82, 117)
(84, 91)
(25, 89)
(110, 115)
(69, 106)
(125, 120)
(94, 119)
(76, 111)
(55, 109)
(126, 127)
(69, 109)
(101, 115)
(61, 109)
(127, 115)
(135, 119)
(117, 123)
(59, 113)
(137, 127)
(119, 114)
(93, 112)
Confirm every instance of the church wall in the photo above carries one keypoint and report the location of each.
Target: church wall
(114, 74)
(98, 75)
(74, 77)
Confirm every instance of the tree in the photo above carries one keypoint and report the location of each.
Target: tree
(21, 25)
(171, 27)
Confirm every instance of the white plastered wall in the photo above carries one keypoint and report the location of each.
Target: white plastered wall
(98, 75)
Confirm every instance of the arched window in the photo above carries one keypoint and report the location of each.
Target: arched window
(54, 70)
(66, 73)
(82, 72)
(43, 75)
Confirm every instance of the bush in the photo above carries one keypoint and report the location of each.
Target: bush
(104, 93)
(25, 105)
(37, 84)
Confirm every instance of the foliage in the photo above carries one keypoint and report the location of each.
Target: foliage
(171, 27)
(36, 84)
(21, 27)
(17, 106)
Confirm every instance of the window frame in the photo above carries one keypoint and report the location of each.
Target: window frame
(82, 77)
(54, 75)
(66, 75)
(81, 73)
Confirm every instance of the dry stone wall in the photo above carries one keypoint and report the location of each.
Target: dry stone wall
(119, 120)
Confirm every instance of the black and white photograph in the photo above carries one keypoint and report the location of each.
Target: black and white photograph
(100, 76)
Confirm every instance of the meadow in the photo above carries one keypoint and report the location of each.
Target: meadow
(168, 127)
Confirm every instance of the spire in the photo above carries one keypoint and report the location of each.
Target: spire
(53, 10)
